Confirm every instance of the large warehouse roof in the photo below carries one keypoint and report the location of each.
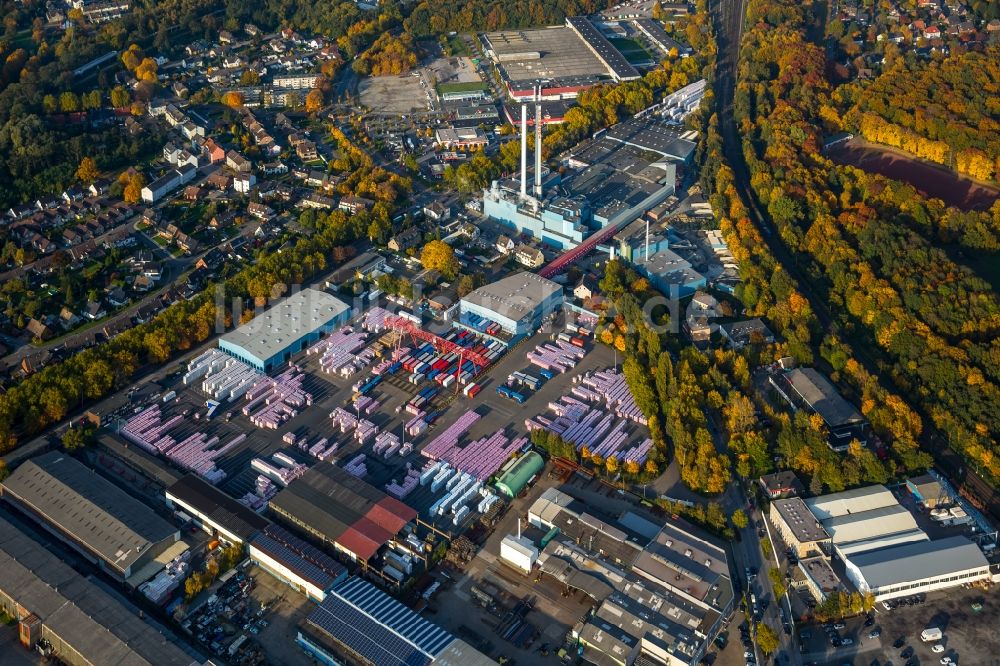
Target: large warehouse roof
(850, 501)
(96, 625)
(88, 508)
(865, 525)
(918, 561)
(370, 623)
(217, 506)
(344, 509)
(516, 296)
(845, 550)
(282, 324)
(678, 559)
(821, 396)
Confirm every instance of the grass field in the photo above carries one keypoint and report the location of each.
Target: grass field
(631, 49)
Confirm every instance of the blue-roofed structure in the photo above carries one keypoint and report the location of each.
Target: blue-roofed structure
(295, 562)
(361, 622)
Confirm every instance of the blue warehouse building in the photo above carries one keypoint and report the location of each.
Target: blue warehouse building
(286, 328)
(518, 303)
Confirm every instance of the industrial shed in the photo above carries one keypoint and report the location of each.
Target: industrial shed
(864, 525)
(295, 562)
(850, 501)
(103, 523)
(213, 510)
(286, 328)
(84, 624)
(360, 623)
(920, 566)
(519, 474)
(339, 509)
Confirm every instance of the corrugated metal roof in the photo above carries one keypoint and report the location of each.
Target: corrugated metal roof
(850, 501)
(95, 624)
(88, 508)
(219, 507)
(305, 560)
(918, 561)
(870, 524)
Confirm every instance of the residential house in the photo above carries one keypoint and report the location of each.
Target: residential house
(353, 204)
(94, 310)
(437, 211)
(193, 193)
(180, 89)
(244, 182)
(222, 220)
(317, 201)
(68, 319)
(585, 288)
(38, 329)
(781, 484)
(116, 297)
(260, 211)
(740, 333)
(530, 257)
(306, 150)
(220, 181)
(504, 245)
(213, 151)
(238, 162)
(405, 239)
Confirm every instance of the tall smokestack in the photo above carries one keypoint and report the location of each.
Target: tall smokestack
(538, 142)
(524, 150)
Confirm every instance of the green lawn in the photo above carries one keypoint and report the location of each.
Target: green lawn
(631, 49)
(457, 46)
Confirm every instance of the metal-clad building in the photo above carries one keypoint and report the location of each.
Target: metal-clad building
(517, 476)
(360, 623)
(285, 328)
(517, 302)
(920, 566)
(295, 562)
(850, 501)
(213, 510)
(83, 624)
(102, 522)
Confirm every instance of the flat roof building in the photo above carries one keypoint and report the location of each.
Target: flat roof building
(102, 522)
(517, 302)
(285, 328)
(338, 509)
(819, 577)
(83, 624)
(920, 566)
(798, 527)
(927, 490)
(213, 510)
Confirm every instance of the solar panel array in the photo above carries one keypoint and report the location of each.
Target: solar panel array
(363, 636)
(303, 559)
(376, 604)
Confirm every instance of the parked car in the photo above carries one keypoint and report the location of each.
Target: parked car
(937, 648)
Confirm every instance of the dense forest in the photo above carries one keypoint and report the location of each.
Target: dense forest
(945, 111)
(873, 249)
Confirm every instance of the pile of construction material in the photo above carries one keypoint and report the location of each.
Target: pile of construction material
(282, 397)
(480, 458)
(282, 471)
(596, 416)
(196, 453)
(357, 467)
(340, 352)
(159, 589)
(224, 378)
(410, 481)
(558, 356)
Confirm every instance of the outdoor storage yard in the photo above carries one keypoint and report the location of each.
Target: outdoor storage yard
(414, 92)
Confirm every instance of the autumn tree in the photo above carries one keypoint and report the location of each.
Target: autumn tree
(88, 172)
(233, 99)
(767, 639)
(740, 519)
(314, 100)
(439, 256)
(133, 188)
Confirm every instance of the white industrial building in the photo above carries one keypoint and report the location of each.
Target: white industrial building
(850, 501)
(920, 566)
(865, 525)
(519, 552)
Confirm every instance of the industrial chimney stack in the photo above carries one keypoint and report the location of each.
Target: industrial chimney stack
(538, 142)
(524, 151)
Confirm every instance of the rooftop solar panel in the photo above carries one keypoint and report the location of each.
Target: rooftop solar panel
(377, 644)
(303, 559)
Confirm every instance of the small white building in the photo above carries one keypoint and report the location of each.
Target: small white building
(519, 552)
(244, 182)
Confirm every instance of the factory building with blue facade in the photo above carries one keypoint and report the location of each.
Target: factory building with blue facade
(286, 328)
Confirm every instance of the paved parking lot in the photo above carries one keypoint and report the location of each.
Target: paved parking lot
(970, 637)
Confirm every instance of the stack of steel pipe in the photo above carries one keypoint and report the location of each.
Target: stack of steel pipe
(612, 388)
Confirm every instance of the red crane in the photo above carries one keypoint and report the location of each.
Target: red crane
(404, 325)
